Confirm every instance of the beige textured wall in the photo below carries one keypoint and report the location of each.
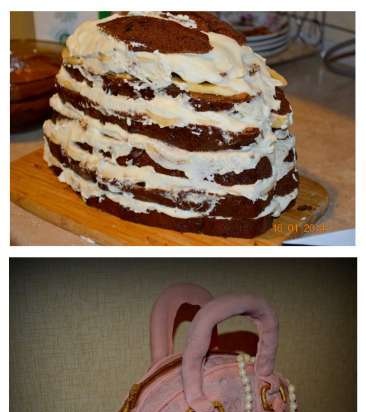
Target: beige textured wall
(79, 328)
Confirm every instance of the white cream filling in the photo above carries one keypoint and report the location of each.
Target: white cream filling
(89, 189)
(278, 204)
(228, 64)
(279, 166)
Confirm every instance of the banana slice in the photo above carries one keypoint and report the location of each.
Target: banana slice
(203, 88)
(279, 121)
(277, 76)
(68, 59)
(125, 76)
(162, 121)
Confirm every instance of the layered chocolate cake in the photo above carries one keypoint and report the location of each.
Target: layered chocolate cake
(169, 119)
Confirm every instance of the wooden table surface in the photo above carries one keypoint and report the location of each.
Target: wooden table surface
(326, 150)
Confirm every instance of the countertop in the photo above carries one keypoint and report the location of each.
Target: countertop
(324, 106)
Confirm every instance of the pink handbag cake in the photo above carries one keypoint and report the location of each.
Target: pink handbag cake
(203, 379)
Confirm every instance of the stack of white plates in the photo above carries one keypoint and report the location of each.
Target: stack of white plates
(276, 31)
(269, 44)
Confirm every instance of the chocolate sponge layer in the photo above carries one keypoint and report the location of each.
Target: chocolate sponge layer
(142, 33)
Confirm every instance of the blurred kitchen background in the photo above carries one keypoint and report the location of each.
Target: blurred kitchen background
(315, 51)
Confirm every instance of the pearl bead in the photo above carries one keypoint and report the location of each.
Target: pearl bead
(247, 388)
(248, 406)
(292, 396)
(246, 380)
(291, 388)
(249, 397)
(246, 357)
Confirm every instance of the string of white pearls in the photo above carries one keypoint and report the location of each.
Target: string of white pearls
(292, 398)
(244, 358)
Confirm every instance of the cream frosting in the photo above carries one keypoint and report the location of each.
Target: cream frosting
(279, 204)
(89, 189)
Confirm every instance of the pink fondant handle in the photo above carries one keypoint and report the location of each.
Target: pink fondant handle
(198, 342)
(164, 313)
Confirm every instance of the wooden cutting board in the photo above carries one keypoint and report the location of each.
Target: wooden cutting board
(35, 188)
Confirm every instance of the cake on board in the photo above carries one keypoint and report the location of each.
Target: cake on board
(168, 119)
